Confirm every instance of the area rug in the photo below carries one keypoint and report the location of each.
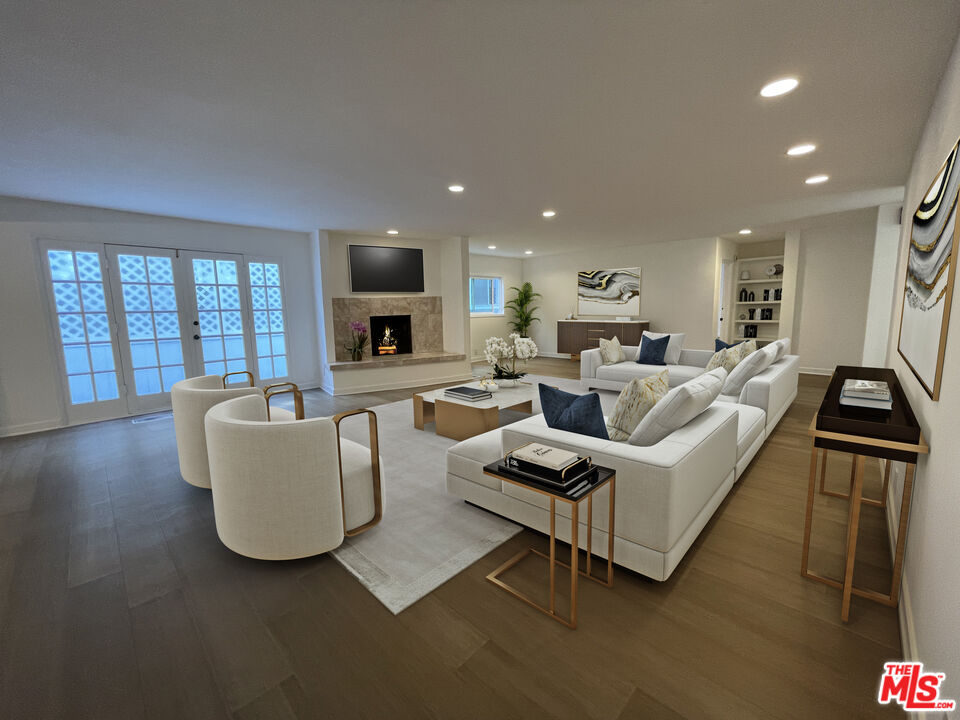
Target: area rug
(426, 536)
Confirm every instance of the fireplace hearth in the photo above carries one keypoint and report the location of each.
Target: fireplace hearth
(390, 335)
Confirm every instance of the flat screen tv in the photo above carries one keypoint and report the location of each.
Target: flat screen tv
(385, 269)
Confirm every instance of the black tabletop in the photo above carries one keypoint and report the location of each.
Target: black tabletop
(897, 425)
(598, 476)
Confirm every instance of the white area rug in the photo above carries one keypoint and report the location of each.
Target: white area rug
(426, 536)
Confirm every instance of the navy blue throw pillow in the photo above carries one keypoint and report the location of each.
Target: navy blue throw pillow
(719, 345)
(652, 351)
(574, 413)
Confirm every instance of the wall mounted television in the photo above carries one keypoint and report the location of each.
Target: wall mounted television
(385, 269)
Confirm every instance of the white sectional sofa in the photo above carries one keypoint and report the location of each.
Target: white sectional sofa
(665, 493)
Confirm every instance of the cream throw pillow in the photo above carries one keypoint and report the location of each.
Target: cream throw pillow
(747, 348)
(678, 407)
(611, 351)
(635, 401)
(726, 358)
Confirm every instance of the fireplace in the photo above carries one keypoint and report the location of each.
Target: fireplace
(390, 335)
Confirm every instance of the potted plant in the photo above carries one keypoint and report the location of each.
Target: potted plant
(359, 340)
(504, 356)
(523, 316)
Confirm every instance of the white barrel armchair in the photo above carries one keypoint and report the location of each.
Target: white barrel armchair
(285, 490)
(191, 398)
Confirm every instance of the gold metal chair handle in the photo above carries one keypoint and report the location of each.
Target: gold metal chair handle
(374, 468)
(249, 375)
(270, 392)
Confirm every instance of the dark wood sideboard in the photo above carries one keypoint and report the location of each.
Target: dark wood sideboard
(575, 336)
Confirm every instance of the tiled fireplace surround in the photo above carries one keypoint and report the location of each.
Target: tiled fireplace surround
(426, 320)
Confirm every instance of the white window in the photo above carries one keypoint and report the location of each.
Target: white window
(486, 296)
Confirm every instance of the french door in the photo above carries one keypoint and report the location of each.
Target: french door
(220, 339)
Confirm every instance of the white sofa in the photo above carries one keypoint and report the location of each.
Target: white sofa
(666, 493)
(772, 390)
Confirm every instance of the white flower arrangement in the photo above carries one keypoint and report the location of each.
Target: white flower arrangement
(503, 355)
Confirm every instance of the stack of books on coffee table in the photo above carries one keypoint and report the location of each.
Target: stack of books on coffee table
(873, 394)
(467, 394)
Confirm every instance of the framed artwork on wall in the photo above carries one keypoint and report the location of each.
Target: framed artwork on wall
(608, 292)
(931, 269)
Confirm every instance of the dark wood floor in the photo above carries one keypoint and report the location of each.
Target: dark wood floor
(118, 601)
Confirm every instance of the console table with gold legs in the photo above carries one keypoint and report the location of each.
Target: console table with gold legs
(894, 436)
(605, 478)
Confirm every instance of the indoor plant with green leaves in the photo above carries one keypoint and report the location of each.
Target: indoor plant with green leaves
(523, 316)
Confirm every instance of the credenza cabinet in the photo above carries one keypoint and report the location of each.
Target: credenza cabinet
(575, 336)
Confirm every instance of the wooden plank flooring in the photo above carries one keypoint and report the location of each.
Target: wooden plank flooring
(117, 600)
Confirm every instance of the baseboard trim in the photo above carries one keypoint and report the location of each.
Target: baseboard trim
(32, 427)
(816, 371)
(562, 356)
(400, 385)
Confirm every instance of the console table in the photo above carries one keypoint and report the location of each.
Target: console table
(575, 336)
(894, 436)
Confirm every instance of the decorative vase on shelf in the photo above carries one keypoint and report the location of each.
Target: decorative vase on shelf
(356, 354)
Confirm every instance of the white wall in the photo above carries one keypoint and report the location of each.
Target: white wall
(677, 287)
(30, 385)
(511, 270)
(834, 262)
(931, 569)
(882, 297)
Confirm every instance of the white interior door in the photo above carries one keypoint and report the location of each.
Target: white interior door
(150, 330)
(220, 341)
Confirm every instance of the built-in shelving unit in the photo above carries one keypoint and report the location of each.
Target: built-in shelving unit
(763, 288)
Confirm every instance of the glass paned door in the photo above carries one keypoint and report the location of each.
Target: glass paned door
(83, 322)
(218, 300)
(146, 299)
(266, 297)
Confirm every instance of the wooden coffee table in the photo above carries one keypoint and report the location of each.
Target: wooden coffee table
(459, 419)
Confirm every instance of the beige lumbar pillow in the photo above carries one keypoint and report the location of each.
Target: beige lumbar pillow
(678, 407)
(635, 401)
(726, 358)
(611, 351)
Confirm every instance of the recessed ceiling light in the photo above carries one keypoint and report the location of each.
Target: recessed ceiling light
(817, 179)
(746, 231)
(455, 188)
(528, 252)
(491, 247)
(549, 213)
(391, 231)
(779, 87)
(801, 149)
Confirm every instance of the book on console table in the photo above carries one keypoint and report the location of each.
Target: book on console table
(467, 393)
(877, 404)
(866, 389)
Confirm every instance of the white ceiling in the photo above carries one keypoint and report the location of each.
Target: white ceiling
(637, 121)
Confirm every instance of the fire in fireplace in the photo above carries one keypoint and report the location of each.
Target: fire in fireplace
(390, 335)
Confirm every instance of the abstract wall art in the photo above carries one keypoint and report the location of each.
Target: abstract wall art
(931, 268)
(608, 292)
